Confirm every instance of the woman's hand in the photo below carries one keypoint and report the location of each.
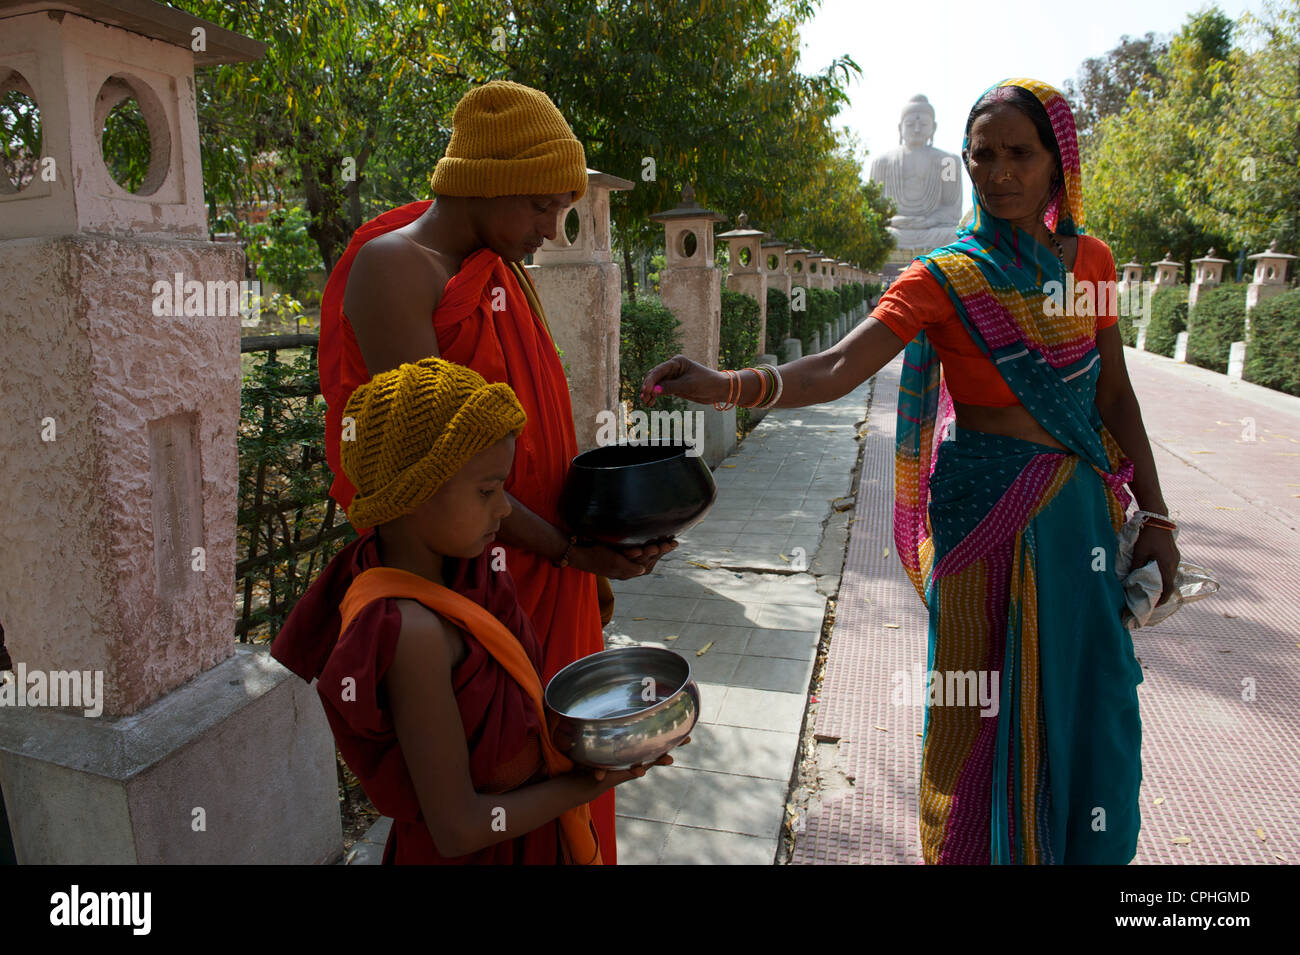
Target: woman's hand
(686, 379)
(1156, 543)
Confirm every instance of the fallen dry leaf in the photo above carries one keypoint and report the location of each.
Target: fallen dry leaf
(671, 637)
(726, 465)
(784, 558)
(1260, 833)
(881, 728)
(920, 736)
(704, 649)
(640, 618)
(886, 551)
(1158, 800)
(891, 626)
(1182, 841)
(698, 564)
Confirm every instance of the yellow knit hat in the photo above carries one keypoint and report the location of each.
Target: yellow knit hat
(416, 426)
(509, 140)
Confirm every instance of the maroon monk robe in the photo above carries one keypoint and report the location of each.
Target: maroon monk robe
(501, 725)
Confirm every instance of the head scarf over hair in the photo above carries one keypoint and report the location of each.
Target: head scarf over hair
(1064, 213)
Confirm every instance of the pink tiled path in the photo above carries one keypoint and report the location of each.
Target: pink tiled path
(1219, 770)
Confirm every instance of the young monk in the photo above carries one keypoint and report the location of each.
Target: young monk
(443, 278)
(430, 679)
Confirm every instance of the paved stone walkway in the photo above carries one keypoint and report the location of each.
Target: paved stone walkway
(738, 598)
(1220, 765)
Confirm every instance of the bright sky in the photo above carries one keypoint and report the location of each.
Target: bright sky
(953, 51)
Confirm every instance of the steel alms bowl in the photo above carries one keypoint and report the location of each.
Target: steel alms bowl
(622, 707)
(633, 493)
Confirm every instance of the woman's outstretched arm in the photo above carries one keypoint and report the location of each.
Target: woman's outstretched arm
(811, 380)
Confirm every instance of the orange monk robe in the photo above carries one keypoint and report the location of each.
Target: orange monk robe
(512, 345)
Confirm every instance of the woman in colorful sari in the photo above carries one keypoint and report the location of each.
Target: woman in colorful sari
(1011, 473)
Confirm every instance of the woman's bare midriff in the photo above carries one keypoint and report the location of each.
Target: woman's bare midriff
(1013, 422)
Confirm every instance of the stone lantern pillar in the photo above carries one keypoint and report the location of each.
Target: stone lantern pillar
(1129, 295)
(690, 286)
(826, 269)
(581, 289)
(1270, 278)
(745, 274)
(1208, 273)
(843, 276)
(797, 264)
(777, 274)
(775, 266)
(796, 261)
(1166, 272)
(153, 739)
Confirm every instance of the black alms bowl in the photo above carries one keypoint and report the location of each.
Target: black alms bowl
(628, 494)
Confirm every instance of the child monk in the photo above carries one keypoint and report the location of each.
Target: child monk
(444, 278)
(429, 670)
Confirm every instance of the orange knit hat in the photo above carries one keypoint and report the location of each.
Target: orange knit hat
(509, 140)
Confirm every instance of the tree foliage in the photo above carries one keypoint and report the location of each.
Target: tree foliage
(1142, 177)
(351, 108)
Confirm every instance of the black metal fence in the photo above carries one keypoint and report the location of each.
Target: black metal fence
(288, 525)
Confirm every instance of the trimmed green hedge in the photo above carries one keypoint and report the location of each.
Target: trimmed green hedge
(648, 335)
(1124, 322)
(778, 320)
(1168, 318)
(823, 307)
(738, 338)
(1217, 320)
(1273, 356)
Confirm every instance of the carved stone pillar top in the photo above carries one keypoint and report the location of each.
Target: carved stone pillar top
(1209, 270)
(1271, 265)
(78, 60)
(584, 237)
(744, 244)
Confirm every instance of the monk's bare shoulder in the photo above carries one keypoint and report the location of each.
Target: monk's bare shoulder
(393, 288)
(392, 272)
(419, 623)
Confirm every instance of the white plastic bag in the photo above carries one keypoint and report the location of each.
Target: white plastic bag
(1143, 585)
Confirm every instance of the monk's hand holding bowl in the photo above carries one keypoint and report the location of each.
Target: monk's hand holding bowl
(609, 778)
(648, 554)
(684, 378)
(606, 561)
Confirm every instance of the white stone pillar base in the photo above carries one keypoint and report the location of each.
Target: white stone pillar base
(815, 345)
(1180, 347)
(719, 435)
(1142, 336)
(791, 350)
(1237, 360)
(246, 742)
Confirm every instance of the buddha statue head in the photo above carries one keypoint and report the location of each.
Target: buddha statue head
(916, 126)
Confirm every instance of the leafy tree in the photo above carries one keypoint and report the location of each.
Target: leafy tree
(1106, 82)
(1142, 184)
(1252, 153)
(342, 82)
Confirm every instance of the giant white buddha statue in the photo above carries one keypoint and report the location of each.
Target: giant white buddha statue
(923, 182)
